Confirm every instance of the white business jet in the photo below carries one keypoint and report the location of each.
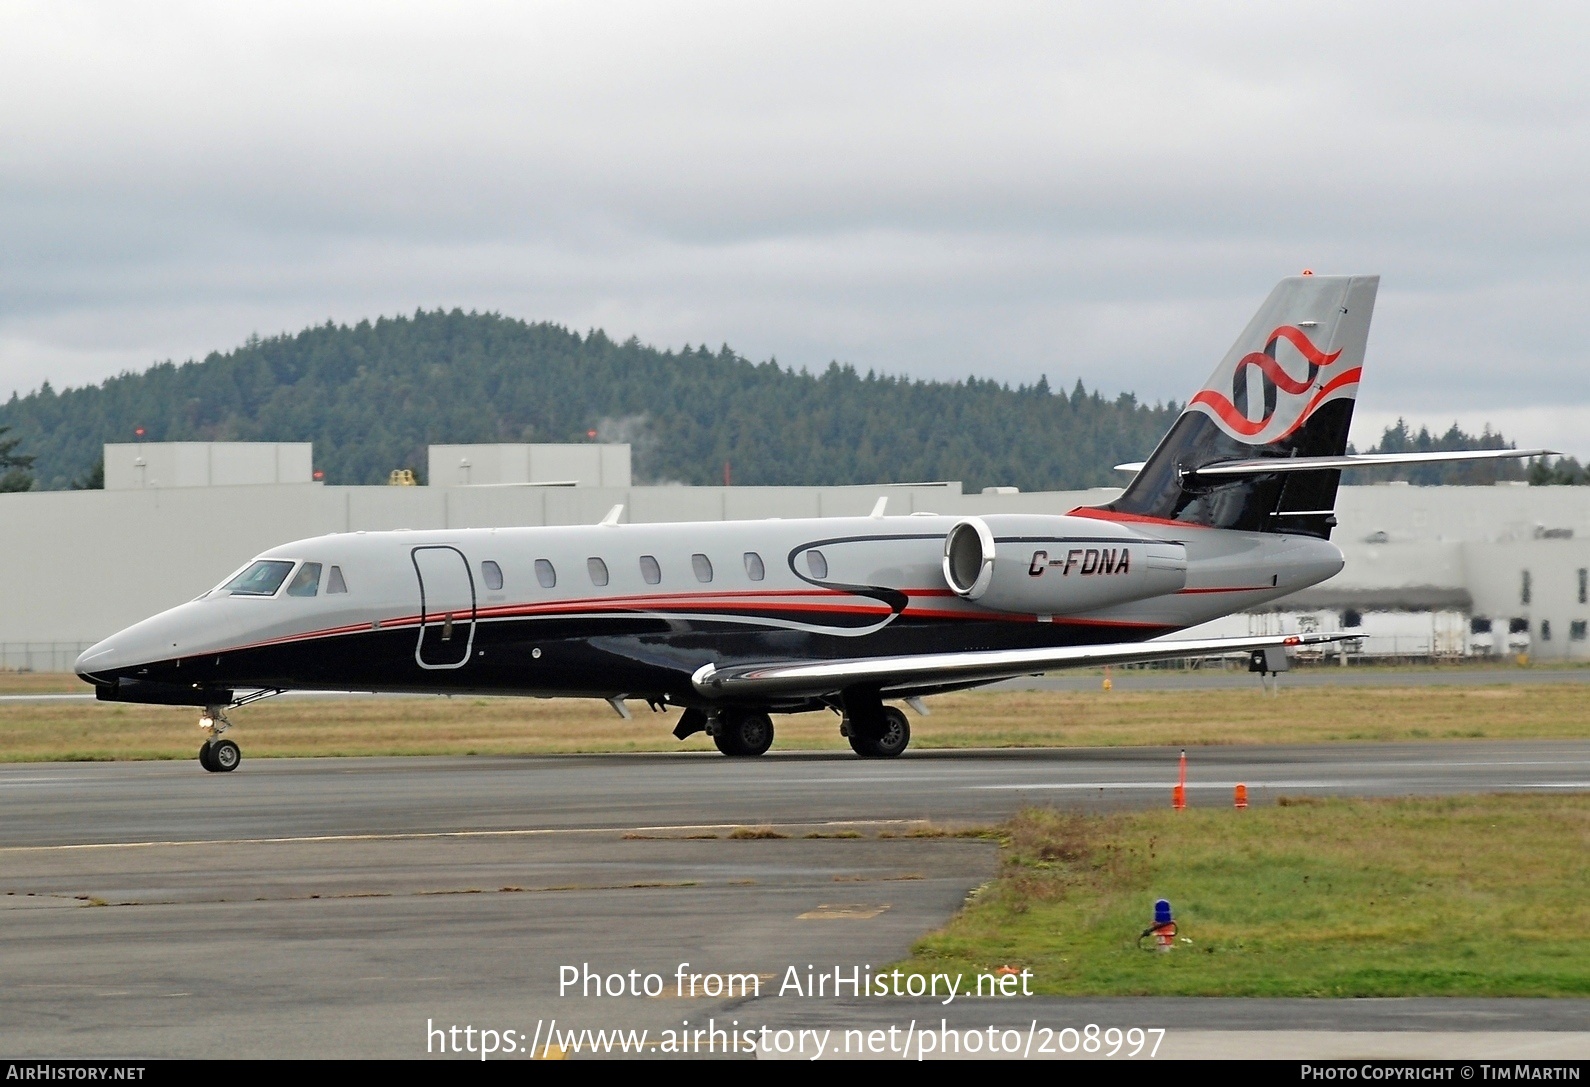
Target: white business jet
(732, 622)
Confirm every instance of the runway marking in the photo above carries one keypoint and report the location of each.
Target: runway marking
(47, 698)
(843, 911)
(432, 835)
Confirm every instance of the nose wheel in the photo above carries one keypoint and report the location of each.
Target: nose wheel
(216, 755)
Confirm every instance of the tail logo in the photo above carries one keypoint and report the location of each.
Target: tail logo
(1284, 402)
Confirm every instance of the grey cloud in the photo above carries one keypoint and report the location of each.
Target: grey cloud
(1008, 190)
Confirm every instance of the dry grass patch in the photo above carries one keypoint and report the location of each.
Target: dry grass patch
(751, 834)
(510, 726)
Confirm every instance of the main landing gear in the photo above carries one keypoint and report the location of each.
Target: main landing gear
(742, 733)
(217, 755)
(875, 731)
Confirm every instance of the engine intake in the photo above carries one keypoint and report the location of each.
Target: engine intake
(1040, 565)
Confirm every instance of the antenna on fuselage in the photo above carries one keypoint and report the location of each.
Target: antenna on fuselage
(612, 515)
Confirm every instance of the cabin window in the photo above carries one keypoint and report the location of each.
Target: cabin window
(702, 566)
(263, 578)
(306, 582)
(334, 582)
(490, 573)
(547, 576)
(753, 566)
(598, 571)
(649, 570)
(817, 564)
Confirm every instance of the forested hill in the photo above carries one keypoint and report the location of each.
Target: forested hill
(373, 396)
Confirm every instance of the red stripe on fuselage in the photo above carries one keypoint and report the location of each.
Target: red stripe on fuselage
(1132, 518)
(753, 605)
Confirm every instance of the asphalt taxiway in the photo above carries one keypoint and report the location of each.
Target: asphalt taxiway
(338, 906)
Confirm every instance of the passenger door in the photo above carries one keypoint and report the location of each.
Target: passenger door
(447, 607)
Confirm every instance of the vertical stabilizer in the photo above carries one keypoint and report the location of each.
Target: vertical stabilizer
(1285, 389)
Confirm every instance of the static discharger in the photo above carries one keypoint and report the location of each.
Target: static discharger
(1178, 795)
(1163, 930)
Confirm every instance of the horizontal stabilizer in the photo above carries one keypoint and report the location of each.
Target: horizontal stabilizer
(1361, 460)
(888, 674)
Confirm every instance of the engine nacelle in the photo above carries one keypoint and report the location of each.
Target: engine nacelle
(1044, 565)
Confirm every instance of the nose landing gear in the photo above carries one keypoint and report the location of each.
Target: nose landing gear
(217, 755)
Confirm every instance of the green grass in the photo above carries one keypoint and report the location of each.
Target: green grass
(1463, 896)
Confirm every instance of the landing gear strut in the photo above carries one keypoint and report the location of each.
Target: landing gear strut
(742, 733)
(217, 755)
(875, 731)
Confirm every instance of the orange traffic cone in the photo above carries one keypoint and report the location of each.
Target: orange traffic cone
(1178, 795)
(1242, 797)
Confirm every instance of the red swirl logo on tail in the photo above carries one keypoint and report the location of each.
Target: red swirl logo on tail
(1301, 395)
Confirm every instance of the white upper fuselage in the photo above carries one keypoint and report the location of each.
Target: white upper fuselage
(873, 579)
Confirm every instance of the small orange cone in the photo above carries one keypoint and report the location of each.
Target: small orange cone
(1178, 795)
(1107, 684)
(1242, 797)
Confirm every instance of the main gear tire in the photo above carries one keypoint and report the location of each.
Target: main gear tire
(744, 733)
(887, 739)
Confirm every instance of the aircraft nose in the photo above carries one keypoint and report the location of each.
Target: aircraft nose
(194, 627)
(103, 658)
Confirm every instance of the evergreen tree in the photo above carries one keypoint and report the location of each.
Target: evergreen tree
(14, 467)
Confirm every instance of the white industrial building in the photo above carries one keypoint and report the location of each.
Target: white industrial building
(1431, 571)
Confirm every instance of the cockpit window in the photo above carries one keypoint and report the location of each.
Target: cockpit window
(334, 582)
(306, 582)
(262, 578)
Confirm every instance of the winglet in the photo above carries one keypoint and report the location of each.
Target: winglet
(878, 508)
(613, 515)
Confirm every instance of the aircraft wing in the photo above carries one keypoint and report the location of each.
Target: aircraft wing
(964, 669)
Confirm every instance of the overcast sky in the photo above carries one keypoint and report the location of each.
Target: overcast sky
(1103, 191)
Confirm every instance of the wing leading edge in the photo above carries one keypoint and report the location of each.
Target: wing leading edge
(887, 674)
